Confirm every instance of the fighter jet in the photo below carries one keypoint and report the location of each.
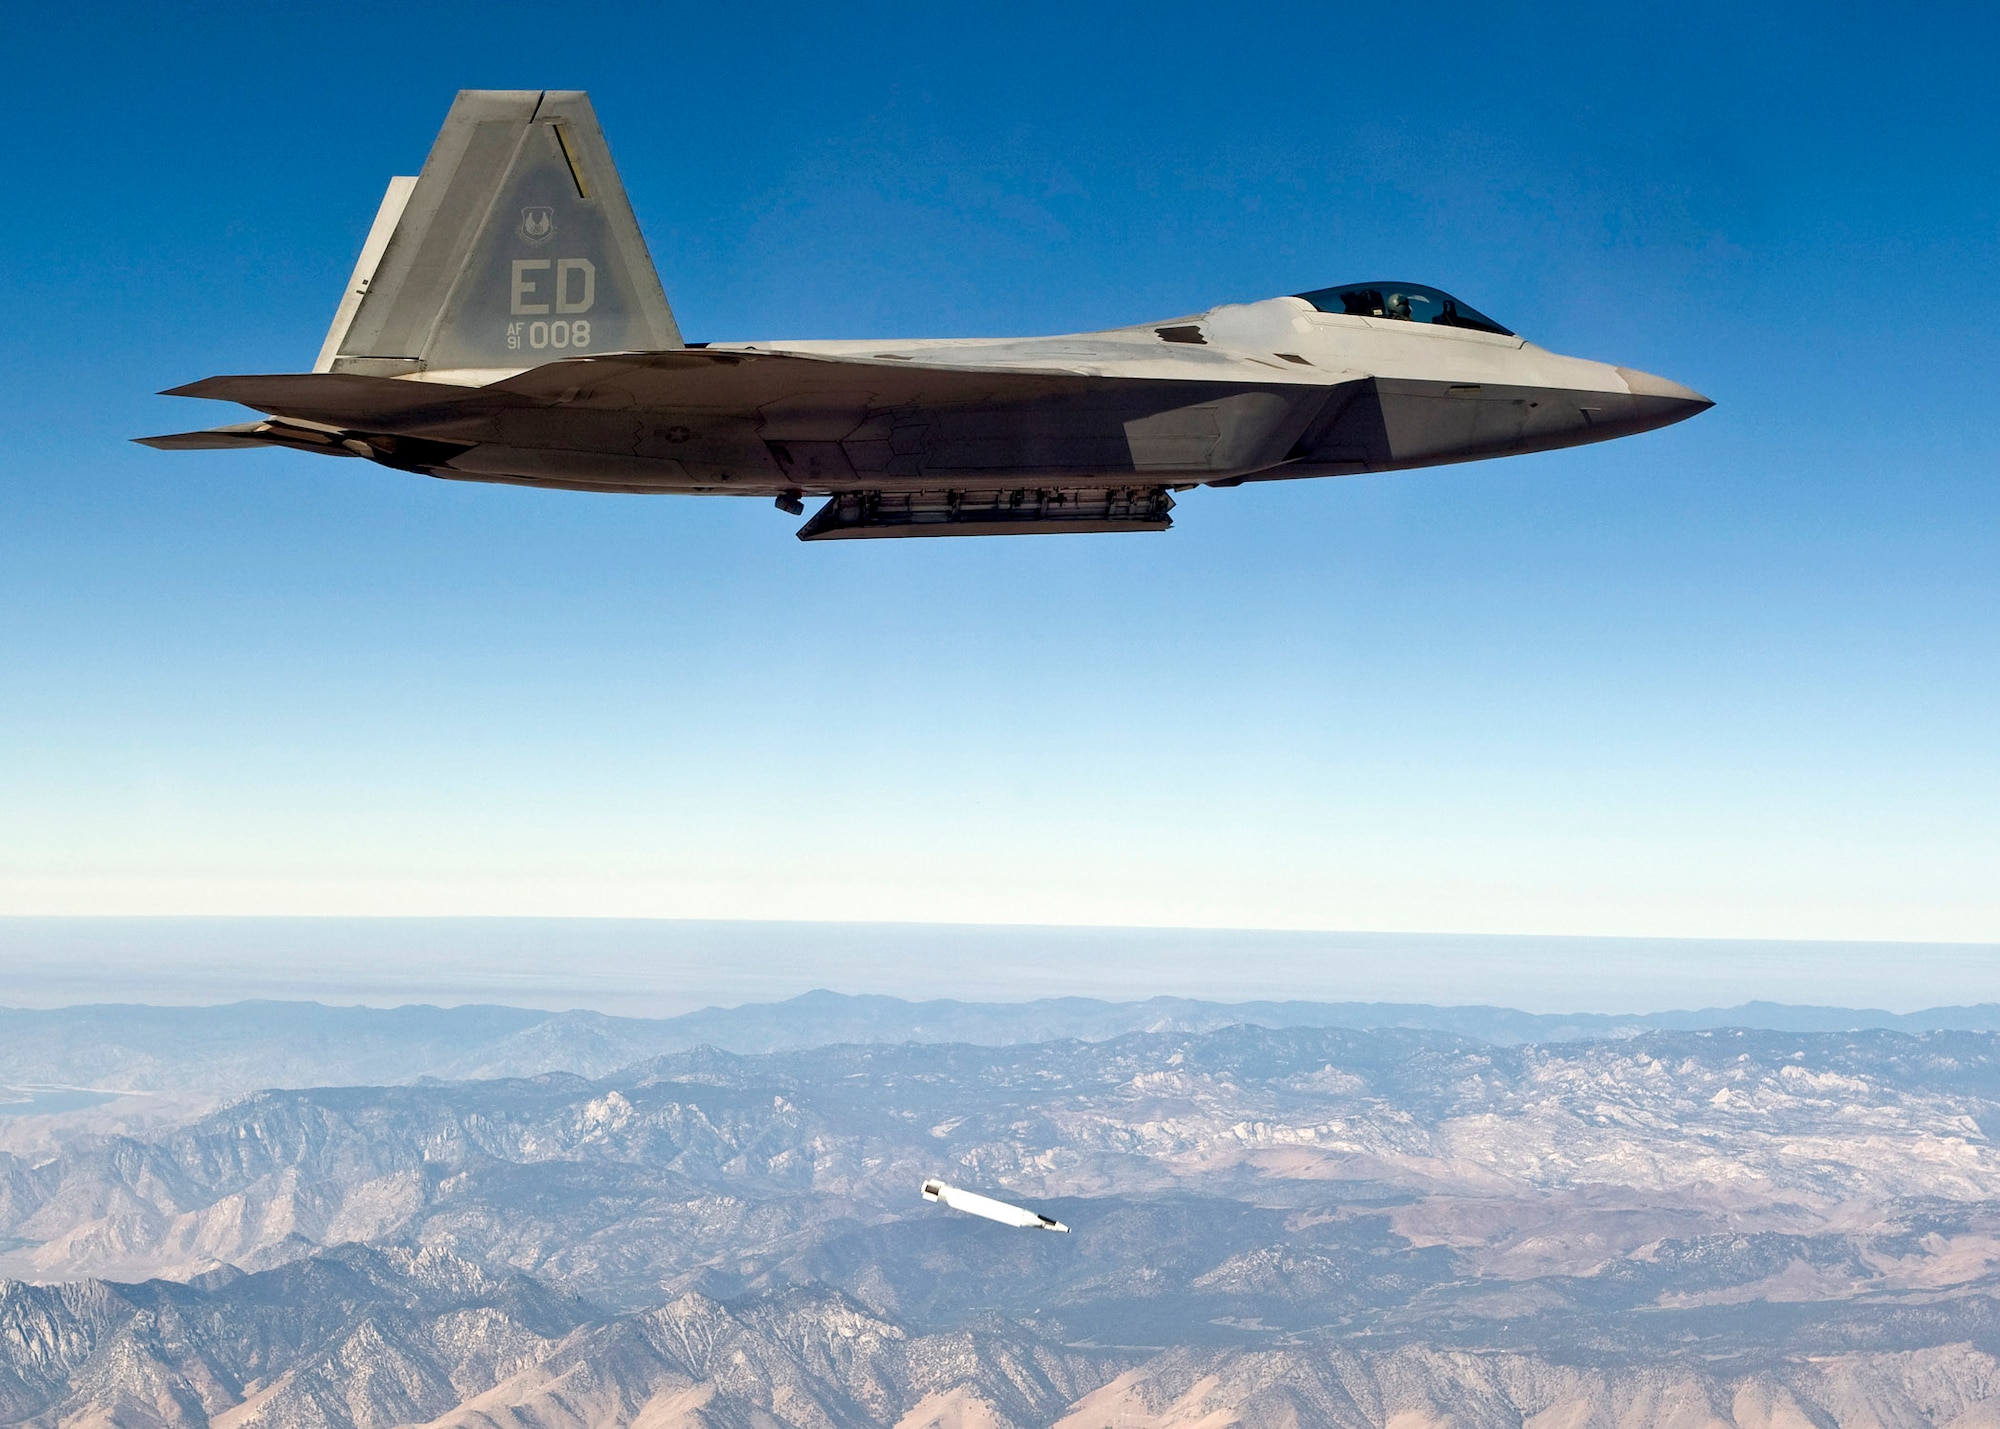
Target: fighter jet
(505, 324)
(974, 1204)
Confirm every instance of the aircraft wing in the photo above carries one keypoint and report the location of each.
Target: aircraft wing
(675, 379)
(731, 378)
(903, 447)
(1048, 419)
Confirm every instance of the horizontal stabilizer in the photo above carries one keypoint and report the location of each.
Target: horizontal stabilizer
(347, 395)
(867, 514)
(216, 440)
(301, 436)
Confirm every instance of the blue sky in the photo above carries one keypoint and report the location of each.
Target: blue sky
(1739, 678)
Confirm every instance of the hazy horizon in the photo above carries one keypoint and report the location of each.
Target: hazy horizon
(661, 967)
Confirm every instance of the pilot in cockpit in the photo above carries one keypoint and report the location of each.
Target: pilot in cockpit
(1406, 302)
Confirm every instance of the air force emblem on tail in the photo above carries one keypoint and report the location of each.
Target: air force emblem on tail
(568, 286)
(538, 225)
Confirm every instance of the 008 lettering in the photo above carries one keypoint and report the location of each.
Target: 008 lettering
(542, 336)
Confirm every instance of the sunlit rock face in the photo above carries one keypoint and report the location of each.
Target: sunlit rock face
(1272, 1226)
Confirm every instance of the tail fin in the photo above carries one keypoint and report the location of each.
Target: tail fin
(516, 246)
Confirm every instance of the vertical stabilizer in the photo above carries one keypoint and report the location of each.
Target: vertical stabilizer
(379, 233)
(515, 246)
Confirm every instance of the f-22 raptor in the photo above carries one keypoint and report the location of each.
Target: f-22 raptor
(505, 324)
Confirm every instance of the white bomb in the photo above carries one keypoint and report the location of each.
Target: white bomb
(974, 1204)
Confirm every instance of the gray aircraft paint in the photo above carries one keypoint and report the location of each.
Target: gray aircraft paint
(505, 324)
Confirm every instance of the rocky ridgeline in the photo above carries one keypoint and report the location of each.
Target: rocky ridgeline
(367, 1339)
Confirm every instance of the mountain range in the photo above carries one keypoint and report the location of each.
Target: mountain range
(1273, 1225)
(229, 1049)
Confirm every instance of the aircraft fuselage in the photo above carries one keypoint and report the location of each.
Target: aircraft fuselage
(471, 346)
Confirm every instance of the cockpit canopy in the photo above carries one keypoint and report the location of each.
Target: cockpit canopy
(1404, 302)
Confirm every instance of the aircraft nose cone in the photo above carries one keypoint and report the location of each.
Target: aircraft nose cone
(1661, 401)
